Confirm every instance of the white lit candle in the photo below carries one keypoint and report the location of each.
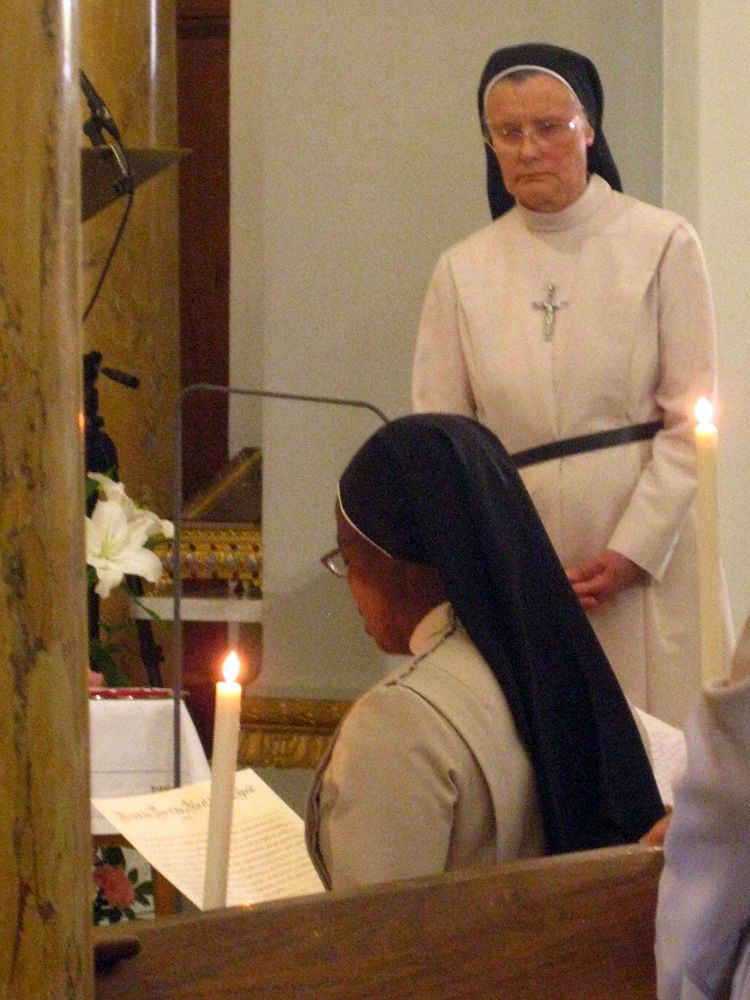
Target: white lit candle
(223, 770)
(713, 666)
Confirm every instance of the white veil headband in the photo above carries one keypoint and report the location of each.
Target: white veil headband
(524, 69)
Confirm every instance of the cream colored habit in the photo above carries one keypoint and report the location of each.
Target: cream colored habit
(634, 340)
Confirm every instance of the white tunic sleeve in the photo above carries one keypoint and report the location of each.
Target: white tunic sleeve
(651, 523)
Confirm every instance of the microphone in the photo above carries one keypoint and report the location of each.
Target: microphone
(131, 381)
(110, 145)
(101, 117)
(92, 367)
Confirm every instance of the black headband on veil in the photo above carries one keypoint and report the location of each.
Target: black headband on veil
(581, 75)
(440, 490)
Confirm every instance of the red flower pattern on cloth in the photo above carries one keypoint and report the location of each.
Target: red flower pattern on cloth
(114, 884)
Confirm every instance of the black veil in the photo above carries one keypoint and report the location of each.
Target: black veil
(441, 490)
(581, 74)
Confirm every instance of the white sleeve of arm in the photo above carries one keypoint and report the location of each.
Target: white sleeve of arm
(651, 523)
(388, 795)
(440, 376)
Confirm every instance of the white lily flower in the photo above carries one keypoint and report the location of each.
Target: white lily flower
(112, 490)
(115, 492)
(151, 523)
(115, 546)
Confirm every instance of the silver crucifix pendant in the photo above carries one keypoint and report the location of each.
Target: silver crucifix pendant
(550, 307)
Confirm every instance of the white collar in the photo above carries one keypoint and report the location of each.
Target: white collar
(432, 628)
(595, 195)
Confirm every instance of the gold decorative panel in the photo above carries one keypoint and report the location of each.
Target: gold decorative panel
(220, 535)
(216, 552)
(287, 732)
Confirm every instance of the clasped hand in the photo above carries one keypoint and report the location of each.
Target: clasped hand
(599, 579)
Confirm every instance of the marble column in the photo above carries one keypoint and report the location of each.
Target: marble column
(45, 845)
(128, 50)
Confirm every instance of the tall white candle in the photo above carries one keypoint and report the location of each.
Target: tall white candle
(713, 665)
(223, 770)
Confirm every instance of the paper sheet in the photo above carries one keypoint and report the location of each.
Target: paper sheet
(668, 753)
(267, 855)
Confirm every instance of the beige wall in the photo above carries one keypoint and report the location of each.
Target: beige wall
(706, 152)
(356, 158)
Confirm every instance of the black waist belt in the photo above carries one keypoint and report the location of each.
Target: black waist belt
(587, 442)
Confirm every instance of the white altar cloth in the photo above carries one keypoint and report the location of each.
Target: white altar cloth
(131, 740)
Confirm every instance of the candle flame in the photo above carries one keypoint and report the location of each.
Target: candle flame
(704, 411)
(231, 667)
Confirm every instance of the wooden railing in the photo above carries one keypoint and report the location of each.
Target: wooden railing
(578, 927)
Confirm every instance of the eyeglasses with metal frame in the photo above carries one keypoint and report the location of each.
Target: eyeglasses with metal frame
(334, 562)
(544, 133)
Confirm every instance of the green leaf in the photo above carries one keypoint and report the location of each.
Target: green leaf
(149, 611)
(144, 896)
(92, 488)
(102, 659)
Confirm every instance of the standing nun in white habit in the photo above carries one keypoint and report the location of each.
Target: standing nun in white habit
(579, 327)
